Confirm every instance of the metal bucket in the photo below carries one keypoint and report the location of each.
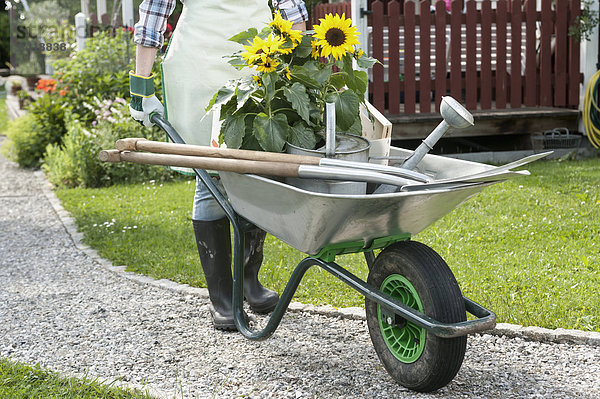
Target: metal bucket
(348, 147)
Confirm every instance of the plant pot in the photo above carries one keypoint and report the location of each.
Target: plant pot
(14, 90)
(32, 81)
(349, 147)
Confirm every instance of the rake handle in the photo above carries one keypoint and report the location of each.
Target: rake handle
(138, 144)
(281, 169)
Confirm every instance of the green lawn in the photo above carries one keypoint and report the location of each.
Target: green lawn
(3, 115)
(18, 381)
(527, 248)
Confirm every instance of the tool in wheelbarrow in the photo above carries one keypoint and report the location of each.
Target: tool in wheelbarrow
(454, 115)
(416, 314)
(280, 169)
(288, 165)
(138, 144)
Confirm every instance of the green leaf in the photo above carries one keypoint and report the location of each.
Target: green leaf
(323, 74)
(243, 92)
(346, 108)
(228, 108)
(269, 80)
(245, 37)
(338, 80)
(302, 136)
(272, 132)
(300, 101)
(238, 63)
(357, 81)
(346, 62)
(265, 32)
(304, 49)
(223, 95)
(304, 76)
(233, 130)
(366, 61)
(356, 127)
(250, 143)
(317, 72)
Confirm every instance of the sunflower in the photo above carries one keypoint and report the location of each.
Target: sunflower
(336, 35)
(267, 65)
(284, 29)
(261, 49)
(316, 49)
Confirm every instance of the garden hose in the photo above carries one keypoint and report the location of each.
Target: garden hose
(591, 112)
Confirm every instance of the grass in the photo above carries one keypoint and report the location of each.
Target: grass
(527, 248)
(20, 381)
(3, 114)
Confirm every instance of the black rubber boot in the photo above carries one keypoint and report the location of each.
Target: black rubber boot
(214, 247)
(260, 299)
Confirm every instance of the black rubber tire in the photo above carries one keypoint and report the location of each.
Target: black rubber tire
(441, 299)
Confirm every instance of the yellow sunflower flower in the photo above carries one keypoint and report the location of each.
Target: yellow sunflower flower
(257, 79)
(336, 36)
(284, 28)
(288, 73)
(267, 65)
(316, 49)
(261, 49)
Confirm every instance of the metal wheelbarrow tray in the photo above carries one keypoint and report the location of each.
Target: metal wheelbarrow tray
(318, 223)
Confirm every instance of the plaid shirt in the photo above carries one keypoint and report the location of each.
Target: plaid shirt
(154, 14)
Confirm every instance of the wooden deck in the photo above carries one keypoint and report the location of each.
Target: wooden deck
(488, 122)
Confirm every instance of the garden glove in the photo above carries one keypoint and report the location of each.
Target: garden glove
(143, 101)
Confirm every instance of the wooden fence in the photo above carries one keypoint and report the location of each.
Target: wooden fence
(320, 10)
(488, 55)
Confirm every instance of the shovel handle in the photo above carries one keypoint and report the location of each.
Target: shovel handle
(227, 165)
(139, 144)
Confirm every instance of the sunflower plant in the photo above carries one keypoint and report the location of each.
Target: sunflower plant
(294, 74)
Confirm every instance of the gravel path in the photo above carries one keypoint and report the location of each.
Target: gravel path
(64, 309)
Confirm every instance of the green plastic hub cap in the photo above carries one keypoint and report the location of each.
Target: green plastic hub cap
(406, 342)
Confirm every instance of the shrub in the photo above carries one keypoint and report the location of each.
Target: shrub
(75, 162)
(23, 145)
(100, 70)
(44, 124)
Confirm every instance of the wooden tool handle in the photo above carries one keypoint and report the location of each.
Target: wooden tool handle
(282, 169)
(137, 144)
(109, 156)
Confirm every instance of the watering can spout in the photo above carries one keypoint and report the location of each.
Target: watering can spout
(455, 115)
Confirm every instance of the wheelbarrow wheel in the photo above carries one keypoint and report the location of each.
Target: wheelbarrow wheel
(417, 276)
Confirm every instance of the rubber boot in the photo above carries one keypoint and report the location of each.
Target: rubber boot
(214, 248)
(260, 299)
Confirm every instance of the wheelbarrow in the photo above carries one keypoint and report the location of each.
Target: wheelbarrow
(415, 311)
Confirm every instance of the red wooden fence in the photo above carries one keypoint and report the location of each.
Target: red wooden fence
(488, 55)
(320, 10)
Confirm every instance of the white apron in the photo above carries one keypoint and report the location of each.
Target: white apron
(194, 67)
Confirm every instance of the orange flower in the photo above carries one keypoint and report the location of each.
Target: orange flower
(46, 85)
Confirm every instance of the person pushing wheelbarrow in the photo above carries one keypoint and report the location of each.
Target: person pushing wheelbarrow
(192, 70)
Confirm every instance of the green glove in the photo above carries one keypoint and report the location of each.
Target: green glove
(143, 101)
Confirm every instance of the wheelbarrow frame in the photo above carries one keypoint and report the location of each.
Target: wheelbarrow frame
(485, 319)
